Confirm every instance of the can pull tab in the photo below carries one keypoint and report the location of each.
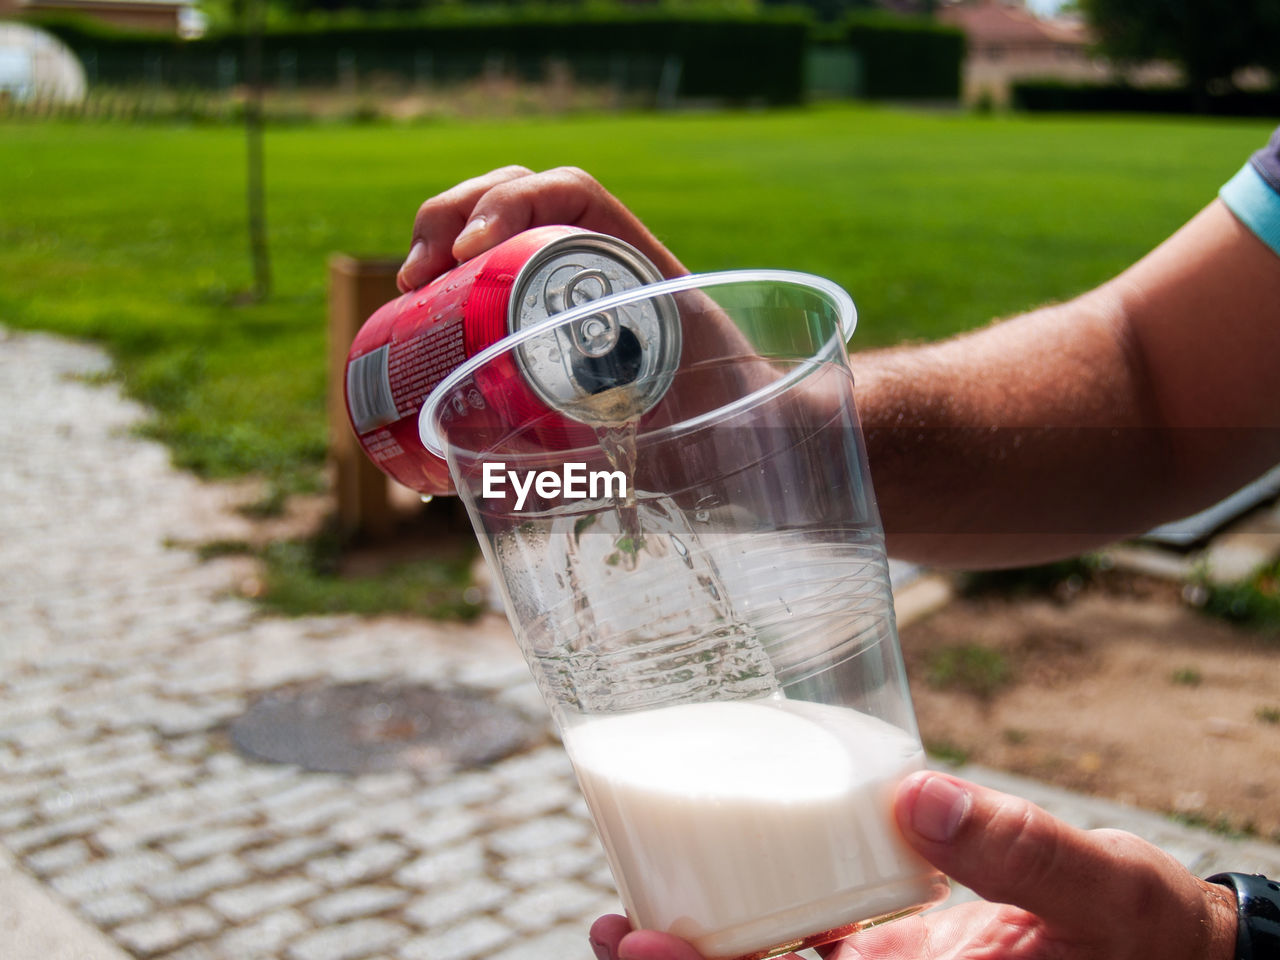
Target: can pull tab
(595, 335)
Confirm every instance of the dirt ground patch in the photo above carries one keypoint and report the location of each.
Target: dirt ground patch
(1121, 691)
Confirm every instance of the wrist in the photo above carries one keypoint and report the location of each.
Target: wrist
(1256, 908)
(1221, 922)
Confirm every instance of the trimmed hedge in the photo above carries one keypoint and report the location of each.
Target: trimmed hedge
(1054, 95)
(906, 58)
(722, 55)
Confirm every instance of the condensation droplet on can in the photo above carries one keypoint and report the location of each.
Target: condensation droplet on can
(427, 497)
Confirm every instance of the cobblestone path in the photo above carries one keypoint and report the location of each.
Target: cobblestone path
(121, 661)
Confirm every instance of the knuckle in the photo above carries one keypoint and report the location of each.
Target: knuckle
(1031, 849)
(505, 193)
(1120, 843)
(426, 208)
(513, 170)
(576, 176)
(431, 211)
(463, 195)
(501, 182)
(1137, 878)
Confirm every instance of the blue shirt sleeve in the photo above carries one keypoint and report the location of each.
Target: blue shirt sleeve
(1253, 194)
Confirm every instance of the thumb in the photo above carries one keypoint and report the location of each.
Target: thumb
(1088, 885)
(1003, 848)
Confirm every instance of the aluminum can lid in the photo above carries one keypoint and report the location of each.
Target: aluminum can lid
(606, 368)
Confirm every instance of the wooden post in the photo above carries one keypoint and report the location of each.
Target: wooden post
(357, 287)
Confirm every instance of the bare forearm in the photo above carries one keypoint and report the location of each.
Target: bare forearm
(1011, 445)
(1082, 423)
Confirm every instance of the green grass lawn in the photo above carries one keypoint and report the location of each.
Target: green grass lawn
(133, 235)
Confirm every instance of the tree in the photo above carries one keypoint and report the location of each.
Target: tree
(1209, 39)
(259, 256)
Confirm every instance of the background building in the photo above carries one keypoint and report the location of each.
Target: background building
(154, 16)
(1006, 43)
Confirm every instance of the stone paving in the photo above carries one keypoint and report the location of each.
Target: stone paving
(122, 659)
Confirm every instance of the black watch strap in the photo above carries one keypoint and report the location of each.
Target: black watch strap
(1258, 912)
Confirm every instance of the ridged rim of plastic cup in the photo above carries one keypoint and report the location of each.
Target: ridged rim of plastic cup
(427, 420)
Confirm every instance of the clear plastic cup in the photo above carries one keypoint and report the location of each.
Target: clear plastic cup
(716, 642)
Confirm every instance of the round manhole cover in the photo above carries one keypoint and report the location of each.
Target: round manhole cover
(377, 727)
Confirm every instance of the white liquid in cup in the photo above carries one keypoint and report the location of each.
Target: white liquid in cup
(745, 826)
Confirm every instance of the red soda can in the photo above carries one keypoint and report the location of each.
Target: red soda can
(412, 343)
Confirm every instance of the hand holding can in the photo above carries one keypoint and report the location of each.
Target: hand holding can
(409, 345)
(478, 214)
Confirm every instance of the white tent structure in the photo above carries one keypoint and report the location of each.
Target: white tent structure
(37, 66)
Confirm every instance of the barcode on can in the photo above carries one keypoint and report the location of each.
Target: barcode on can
(369, 391)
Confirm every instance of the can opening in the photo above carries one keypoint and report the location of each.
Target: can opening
(617, 368)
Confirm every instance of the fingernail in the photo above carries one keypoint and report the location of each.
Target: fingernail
(416, 253)
(600, 950)
(939, 807)
(475, 226)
